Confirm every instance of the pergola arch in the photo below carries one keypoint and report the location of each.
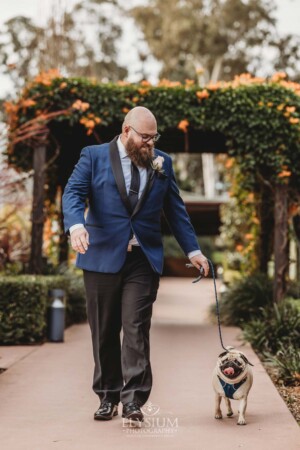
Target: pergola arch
(252, 119)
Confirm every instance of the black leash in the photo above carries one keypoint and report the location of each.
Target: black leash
(216, 295)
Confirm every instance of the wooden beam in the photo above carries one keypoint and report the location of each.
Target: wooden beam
(280, 241)
(37, 215)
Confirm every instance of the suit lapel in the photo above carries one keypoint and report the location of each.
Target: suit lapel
(118, 172)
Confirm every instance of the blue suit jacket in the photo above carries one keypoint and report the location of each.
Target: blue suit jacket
(98, 177)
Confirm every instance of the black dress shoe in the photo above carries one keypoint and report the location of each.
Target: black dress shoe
(132, 411)
(106, 411)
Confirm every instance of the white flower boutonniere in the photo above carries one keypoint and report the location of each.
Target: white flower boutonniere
(157, 164)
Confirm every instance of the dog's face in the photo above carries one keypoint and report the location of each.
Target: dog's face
(232, 364)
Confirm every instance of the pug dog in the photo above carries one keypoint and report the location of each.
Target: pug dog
(232, 379)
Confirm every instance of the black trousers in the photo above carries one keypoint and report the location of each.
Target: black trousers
(118, 301)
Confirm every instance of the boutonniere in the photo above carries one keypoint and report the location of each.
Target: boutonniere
(157, 164)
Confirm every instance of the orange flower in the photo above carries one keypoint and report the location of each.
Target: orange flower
(125, 110)
(280, 107)
(278, 76)
(145, 83)
(293, 209)
(249, 236)
(260, 103)
(189, 82)
(213, 86)
(294, 120)
(28, 102)
(135, 99)
(167, 83)
(63, 85)
(10, 107)
(46, 78)
(122, 83)
(290, 109)
(284, 173)
(202, 94)
(82, 106)
(239, 248)
(270, 104)
(88, 123)
(229, 163)
(250, 197)
(183, 125)
(142, 91)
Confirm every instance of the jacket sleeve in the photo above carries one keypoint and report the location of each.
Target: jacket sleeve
(77, 190)
(178, 218)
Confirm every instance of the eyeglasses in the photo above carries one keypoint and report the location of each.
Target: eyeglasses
(146, 137)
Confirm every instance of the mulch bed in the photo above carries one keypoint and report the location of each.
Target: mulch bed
(289, 393)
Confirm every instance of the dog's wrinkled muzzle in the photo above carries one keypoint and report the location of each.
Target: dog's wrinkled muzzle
(231, 369)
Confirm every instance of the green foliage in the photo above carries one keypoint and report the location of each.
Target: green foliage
(24, 302)
(276, 326)
(272, 329)
(258, 134)
(244, 300)
(173, 249)
(287, 361)
(76, 304)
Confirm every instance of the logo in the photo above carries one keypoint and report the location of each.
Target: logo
(156, 423)
(149, 409)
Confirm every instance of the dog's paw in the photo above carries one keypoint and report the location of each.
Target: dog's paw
(241, 422)
(218, 415)
(229, 414)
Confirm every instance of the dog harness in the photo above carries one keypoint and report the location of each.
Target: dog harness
(229, 389)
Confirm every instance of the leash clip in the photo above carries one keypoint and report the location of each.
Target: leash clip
(201, 270)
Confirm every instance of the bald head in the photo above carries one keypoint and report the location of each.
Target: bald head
(141, 118)
(139, 132)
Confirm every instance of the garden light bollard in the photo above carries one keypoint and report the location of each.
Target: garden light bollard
(56, 316)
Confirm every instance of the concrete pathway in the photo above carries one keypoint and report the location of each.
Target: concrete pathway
(46, 400)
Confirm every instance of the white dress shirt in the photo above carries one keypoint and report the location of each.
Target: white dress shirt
(126, 167)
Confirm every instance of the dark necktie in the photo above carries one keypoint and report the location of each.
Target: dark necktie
(134, 186)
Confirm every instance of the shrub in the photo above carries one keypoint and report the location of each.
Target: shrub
(244, 299)
(287, 361)
(278, 325)
(76, 305)
(23, 307)
(24, 301)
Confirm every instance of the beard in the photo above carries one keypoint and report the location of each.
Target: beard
(140, 156)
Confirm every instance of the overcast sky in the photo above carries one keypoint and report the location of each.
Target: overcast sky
(288, 14)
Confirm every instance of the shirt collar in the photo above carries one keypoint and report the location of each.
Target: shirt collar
(121, 148)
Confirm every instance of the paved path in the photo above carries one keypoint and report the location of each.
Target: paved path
(46, 401)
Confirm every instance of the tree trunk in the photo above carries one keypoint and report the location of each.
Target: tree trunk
(37, 214)
(280, 241)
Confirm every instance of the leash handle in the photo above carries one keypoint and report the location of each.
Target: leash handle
(189, 265)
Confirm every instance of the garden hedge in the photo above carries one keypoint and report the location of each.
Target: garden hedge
(23, 306)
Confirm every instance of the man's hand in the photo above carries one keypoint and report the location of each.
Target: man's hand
(200, 261)
(80, 240)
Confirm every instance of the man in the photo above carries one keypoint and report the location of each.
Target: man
(128, 184)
